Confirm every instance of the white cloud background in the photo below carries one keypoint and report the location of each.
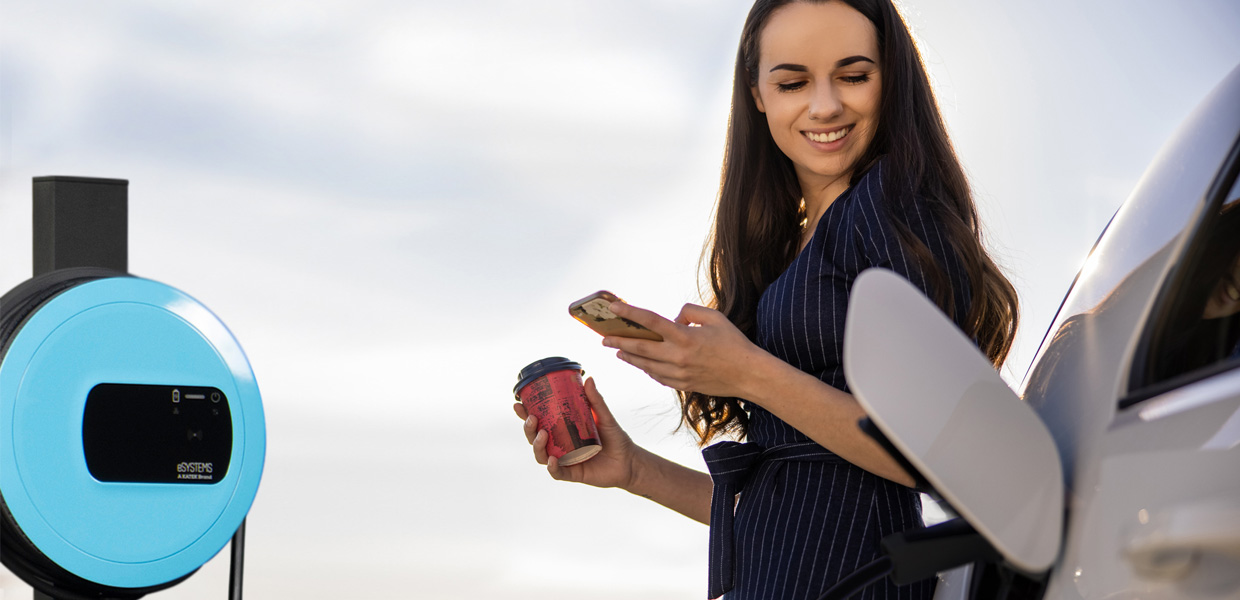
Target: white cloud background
(392, 203)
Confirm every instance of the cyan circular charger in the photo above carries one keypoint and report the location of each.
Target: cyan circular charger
(134, 438)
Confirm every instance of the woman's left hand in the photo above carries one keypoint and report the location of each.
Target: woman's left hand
(702, 351)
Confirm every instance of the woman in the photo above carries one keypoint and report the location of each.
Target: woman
(837, 161)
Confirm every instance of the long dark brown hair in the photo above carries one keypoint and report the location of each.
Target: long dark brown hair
(757, 226)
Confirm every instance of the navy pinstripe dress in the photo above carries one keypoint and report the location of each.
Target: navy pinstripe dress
(806, 517)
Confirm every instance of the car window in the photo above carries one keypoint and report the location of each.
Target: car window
(1197, 332)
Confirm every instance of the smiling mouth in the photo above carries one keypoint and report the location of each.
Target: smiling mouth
(826, 138)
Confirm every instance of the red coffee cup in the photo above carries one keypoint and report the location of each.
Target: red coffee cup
(551, 389)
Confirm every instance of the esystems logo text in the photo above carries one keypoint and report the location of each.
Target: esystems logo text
(195, 470)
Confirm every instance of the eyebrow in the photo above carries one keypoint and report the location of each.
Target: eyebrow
(843, 62)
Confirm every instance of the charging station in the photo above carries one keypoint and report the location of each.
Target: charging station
(132, 434)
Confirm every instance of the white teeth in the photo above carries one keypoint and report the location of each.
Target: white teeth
(828, 137)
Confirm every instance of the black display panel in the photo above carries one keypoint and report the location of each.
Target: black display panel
(157, 433)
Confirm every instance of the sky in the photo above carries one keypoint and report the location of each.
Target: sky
(391, 205)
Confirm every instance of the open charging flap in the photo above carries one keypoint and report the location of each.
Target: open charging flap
(943, 408)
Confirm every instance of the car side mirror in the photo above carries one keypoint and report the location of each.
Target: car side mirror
(943, 406)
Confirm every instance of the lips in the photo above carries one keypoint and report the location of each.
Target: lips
(829, 136)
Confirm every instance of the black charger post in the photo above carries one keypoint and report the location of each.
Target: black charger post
(80, 222)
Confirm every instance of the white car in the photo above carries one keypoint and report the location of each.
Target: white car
(1115, 472)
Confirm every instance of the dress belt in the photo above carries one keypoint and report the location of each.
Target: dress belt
(731, 464)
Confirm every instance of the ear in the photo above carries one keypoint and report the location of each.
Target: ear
(757, 98)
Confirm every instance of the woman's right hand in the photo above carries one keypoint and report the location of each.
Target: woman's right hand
(613, 466)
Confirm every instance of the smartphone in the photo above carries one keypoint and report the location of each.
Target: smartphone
(594, 312)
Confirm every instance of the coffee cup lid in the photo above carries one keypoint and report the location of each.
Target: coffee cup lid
(539, 368)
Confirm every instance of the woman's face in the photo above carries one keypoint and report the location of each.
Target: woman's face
(818, 84)
(1224, 299)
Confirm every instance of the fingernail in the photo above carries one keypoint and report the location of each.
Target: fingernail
(607, 342)
(529, 420)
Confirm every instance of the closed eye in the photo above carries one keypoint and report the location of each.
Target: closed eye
(791, 87)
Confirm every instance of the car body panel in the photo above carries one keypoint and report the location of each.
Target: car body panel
(1157, 465)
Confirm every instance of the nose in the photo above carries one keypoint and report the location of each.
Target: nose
(825, 103)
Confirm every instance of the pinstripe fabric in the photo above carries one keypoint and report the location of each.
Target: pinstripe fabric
(802, 525)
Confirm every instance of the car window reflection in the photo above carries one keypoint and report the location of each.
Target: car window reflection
(1205, 328)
